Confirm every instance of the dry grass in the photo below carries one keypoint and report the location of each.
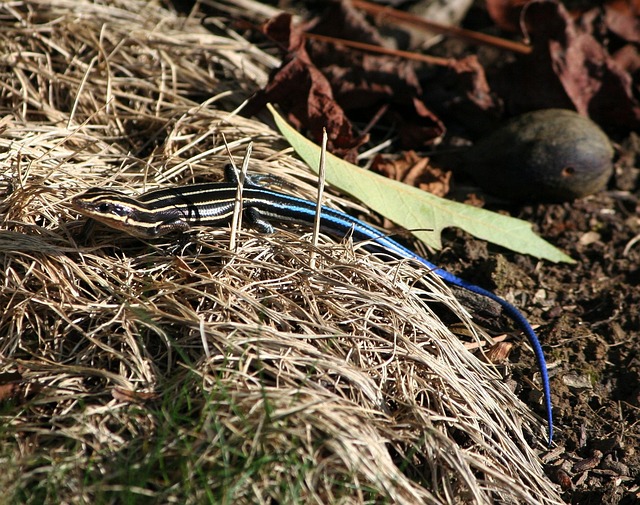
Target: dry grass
(131, 375)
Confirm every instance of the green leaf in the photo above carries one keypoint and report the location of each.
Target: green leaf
(418, 210)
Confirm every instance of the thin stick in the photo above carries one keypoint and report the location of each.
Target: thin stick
(410, 19)
(237, 208)
(236, 220)
(424, 58)
(318, 217)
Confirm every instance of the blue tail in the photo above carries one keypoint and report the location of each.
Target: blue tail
(519, 319)
(524, 325)
(511, 311)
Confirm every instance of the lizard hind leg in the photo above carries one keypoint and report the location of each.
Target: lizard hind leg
(258, 221)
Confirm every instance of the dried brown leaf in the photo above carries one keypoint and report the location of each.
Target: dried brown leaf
(9, 390)
(622, 17)
(304, 93)
(415, 171)
(130, 396)
(576, 70)
(14, 387)
(340, 19)
(499, 352)
(506, 13)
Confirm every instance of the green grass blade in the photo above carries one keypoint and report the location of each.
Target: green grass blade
(418, 210)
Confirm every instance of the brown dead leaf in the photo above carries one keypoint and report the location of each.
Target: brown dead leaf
(461, 94)
(568, 68)
(10, 383)
(622, 17)
(341, 20)
(628, 57)
(304, 93)
(320, 83)
(506, 13)
(14, 387)
(472, 83)
(499, 353)
(361, 81)
(128, 396)
(8, 390)
(596, 85)
(415, 171)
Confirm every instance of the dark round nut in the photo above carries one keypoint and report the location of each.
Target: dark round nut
(548, 155)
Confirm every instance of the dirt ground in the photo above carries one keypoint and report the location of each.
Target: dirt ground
(593, 333)
(590, 329)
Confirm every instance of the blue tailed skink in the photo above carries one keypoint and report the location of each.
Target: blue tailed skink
(177, 209)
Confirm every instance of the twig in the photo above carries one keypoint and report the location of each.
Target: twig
(410, 19)
(425, 58)
(321, 180)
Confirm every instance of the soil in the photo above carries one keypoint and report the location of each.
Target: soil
(590, 330)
